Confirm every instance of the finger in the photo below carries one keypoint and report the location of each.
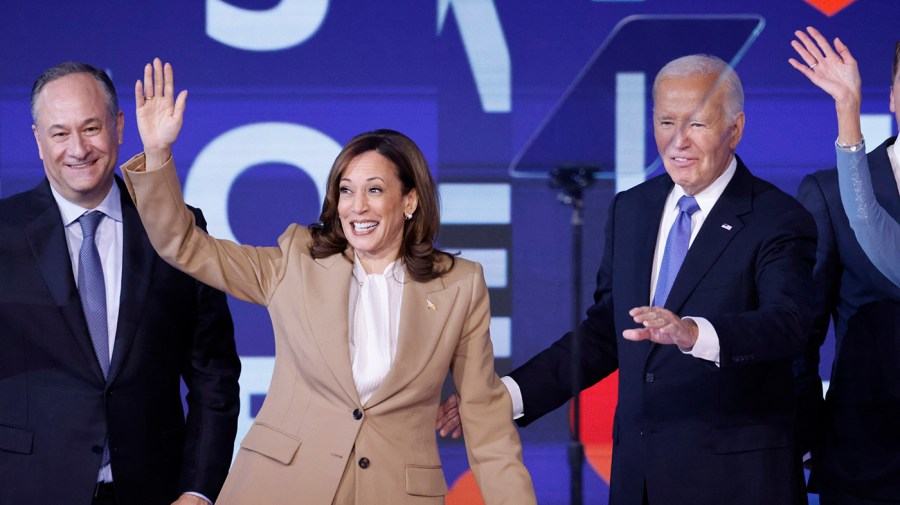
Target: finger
(638, 311)
(843, 51)
(810, 46)
(139, 94)
(803, 53)
(636, 335)
(822, 42)
(181, 103)
(169, 84)
(159, 79)
(456, 433)
(148, 80)
(803, 69)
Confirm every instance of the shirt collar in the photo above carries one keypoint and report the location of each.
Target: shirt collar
(359, 272)
(111, 206)
(710, 195)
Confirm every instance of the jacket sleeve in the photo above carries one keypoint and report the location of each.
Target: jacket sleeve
(492, 442)
(249, 273)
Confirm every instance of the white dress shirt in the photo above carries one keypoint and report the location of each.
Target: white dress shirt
(707, 345)
(374, 319)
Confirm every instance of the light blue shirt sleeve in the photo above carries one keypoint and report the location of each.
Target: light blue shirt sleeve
(876, 231)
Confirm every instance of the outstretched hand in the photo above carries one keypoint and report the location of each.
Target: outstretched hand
(159, 113)
(833, 70)
(662, 326)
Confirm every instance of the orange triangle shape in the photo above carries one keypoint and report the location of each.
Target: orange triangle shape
(830, 7)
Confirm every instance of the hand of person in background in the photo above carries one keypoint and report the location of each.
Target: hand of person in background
(159, 113)
(836, 73)
(448, 420)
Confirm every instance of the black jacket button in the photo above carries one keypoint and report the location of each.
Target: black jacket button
(364, 463)
(649, 378)
(357, 414)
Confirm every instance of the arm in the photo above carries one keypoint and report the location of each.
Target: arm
(210, 371)
(492, 442)
(545, 381)
(876, 231)
(248, 273)
(837, 73)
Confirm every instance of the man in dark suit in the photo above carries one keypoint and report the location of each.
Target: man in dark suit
(90, 407)
(705, 410)
(852, 435)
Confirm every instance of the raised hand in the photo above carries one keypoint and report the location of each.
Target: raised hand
(833, 70)
(159, 113)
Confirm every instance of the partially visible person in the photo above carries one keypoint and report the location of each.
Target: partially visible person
(97, 331)
(853, 433)
(701, 306)
(876, 229)
(368, 317)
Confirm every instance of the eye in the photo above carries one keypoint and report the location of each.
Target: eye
(696, 125)
(376, 190)
(92, 130)
(664, 123)
(344, 190)
(58, 135)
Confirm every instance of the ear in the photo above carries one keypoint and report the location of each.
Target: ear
(120, 125)
(37, 141)
(737, 130)
(411, 201)
(892, 106)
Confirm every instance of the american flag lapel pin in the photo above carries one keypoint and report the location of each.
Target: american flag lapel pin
(430, 305)
(726, 226)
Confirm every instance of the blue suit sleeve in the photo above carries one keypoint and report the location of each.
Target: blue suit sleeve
(876, 231)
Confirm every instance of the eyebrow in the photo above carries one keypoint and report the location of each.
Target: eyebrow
(370, 179)
(84, 123)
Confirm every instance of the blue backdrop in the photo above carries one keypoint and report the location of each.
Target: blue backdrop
(495, 92)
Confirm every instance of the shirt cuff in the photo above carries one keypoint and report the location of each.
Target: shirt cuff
(518, 410)
(707, 345)
(200, 495)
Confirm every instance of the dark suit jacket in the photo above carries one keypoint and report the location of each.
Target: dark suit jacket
(55, 406)
(854, 436)
(693, 432)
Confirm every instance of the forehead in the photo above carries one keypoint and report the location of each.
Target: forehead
(73, 97)
(689, 95)
(368, 165)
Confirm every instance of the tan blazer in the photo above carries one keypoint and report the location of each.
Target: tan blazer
(313, 442)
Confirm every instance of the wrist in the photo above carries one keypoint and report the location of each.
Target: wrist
(850, 147)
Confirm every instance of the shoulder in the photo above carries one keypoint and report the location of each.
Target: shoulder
(462, 270)
(24, 206)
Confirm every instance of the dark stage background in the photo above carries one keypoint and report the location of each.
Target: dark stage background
(496, 92)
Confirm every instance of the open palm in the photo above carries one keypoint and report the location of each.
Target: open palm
(159, 114)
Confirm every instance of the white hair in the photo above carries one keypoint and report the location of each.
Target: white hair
(704, 64)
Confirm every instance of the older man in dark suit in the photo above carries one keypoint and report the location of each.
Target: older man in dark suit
(96, 331)
(700, 305)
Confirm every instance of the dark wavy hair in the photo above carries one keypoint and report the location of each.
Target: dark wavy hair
(896, 63)
(423, 261)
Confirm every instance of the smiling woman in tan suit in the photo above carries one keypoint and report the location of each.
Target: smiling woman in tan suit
(368, 319)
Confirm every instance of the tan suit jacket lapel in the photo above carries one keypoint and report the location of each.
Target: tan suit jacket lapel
(423, 315)
(327, 288)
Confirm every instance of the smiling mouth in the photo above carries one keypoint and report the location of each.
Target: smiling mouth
(363, 227)
(77, 166)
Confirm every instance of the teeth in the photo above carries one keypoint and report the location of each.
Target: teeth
(680, 159)
(364, 226)
(81, 165)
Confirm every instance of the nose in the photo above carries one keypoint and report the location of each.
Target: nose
(360, 202)
(78, 147)
(681, 139)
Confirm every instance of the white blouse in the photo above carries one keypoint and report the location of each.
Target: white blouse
(374, 324)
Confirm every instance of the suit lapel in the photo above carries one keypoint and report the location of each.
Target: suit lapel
(423, 314)
(48, 244)
(327, 286)
(720, 227)
(137, 271)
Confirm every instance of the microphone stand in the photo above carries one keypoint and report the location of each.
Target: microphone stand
(571, 182)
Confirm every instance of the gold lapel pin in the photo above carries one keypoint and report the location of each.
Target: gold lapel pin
(430, 305)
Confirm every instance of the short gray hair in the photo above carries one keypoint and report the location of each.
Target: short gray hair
(705, 64)
(69, 68)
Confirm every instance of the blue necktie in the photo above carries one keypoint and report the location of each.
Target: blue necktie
(92, 290)
(677, 245)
